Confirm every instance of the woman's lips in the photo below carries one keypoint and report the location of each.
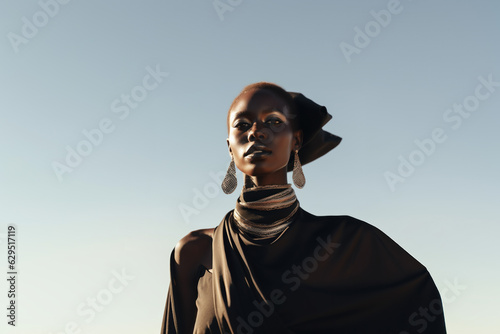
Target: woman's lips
(257, 149)
(256, 154)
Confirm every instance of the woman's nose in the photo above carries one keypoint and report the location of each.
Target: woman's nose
(258, 132)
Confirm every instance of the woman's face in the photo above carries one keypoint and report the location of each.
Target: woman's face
(261, 137)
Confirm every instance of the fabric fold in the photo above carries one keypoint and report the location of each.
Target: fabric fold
(322, 274)
(265, 211)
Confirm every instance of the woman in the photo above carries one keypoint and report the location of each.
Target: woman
(272, 267)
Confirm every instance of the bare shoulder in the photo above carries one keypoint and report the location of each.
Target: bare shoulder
(194, 249)
(191, 251)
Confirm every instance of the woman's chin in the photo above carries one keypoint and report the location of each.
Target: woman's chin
(262, 170)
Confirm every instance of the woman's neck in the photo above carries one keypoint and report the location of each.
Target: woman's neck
(265, 211)
(265, 180)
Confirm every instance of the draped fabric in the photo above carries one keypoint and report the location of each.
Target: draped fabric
(329, 274)
(265, 211)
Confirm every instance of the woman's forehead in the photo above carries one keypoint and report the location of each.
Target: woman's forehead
(258, 100)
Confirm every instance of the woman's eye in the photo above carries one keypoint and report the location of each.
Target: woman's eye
(241, 125)
(274, 121)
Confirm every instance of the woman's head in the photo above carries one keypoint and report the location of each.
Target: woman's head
(263, 132)
(278, 91)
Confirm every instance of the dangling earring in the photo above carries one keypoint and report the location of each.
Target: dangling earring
(298, 175)
(230, 182)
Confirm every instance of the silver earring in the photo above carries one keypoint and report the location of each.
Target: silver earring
(230, 182)
(298, 175)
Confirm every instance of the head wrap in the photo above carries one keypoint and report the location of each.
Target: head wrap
(316, 141)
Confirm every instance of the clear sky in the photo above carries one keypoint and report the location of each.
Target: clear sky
(113, 138)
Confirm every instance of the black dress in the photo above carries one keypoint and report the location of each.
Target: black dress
(328, 274)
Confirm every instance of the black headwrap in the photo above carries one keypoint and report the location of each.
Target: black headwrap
(316, 141)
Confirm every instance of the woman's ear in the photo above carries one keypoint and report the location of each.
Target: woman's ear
(229, 146)
(298, 137)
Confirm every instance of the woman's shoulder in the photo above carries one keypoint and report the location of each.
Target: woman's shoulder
(350, 230)
(348, 226)
(194, 249)
(336, 220)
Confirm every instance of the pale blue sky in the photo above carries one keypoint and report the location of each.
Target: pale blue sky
(120, 208)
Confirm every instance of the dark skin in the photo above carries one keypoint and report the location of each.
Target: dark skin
(260, 138)
(260, 124)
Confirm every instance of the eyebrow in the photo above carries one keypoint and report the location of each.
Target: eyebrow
(243, 113)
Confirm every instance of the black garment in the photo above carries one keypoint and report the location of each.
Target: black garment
(330, 274)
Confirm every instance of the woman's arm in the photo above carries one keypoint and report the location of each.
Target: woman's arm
(191, 251)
